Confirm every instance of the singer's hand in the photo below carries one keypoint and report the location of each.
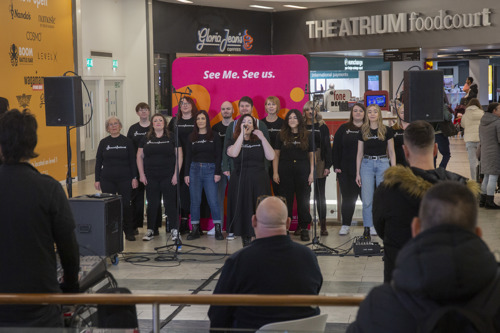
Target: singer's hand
(135, 183)
(97, 186)
(276, 178)
(186, 180)
(227, 173)
(259, 134)
(216, 178)
(338, 171)
(174, 179)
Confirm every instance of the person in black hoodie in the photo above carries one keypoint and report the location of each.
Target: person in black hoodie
(445, 264)
(398, 197)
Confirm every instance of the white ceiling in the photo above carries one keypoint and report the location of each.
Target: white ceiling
(277, 5)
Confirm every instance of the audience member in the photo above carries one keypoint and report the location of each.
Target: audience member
(397, 199)
(470, 123)
(4, 105)
(35, 216)
(445, 267)
(272, 264)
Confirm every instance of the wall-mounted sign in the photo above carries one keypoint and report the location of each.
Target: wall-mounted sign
(402, 54)
(396, 23)
(209, 40)
(337, 100)
(334, 75)
(90, 63)
(115, 64)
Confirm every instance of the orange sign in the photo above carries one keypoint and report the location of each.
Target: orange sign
(37, 41)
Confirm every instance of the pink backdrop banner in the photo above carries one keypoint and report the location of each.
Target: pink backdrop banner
(214, 80)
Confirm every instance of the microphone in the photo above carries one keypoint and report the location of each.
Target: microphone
(189, 91)
(245, 126)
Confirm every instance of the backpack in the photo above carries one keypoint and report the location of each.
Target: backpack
(476, 315)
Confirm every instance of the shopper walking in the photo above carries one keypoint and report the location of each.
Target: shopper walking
(470, 123)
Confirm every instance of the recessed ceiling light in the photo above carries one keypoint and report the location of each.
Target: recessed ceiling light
(261, 7)
(467, 50)
(296, 7)
(185, 1)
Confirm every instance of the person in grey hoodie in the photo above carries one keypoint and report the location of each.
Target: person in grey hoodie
(489, 136)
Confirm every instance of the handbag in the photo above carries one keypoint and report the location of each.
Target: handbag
(448, 128)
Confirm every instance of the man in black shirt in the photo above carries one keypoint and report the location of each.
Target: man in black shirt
(35, 215)
(271, 264)
(226, 111)
(135, 133)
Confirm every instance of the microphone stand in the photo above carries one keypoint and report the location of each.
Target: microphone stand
(318, 247)
(178, 242)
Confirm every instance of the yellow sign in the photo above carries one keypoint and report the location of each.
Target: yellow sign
(37, 41)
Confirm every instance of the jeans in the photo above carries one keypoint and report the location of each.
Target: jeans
(444, 148)
(471, 153)
(489, 184)
(221, 193)
(372, 174)
(201, 176)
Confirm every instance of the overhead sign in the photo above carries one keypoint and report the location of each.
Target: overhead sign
(402, 54)
(396, 23)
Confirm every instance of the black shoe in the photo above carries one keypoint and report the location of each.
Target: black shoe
(218, 232)
(167, 226)
(246, 240)
(304, 235)
(195, 233)
(136, 231)
(156, 232)
(130, 237)
(184, 227)
(490, 202)
(366, 235)
(482, 200)
(297, 231)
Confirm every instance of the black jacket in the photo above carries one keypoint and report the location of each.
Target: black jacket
(445, 264)
(396, 202)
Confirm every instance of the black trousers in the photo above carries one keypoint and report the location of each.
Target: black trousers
(138, 206)
(154, 189)
(350, 192)
(319, 190)
(293, 181)
(122, 187)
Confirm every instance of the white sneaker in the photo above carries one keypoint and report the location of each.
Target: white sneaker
(230, 236)
(211, 232)
(174, 234)
(149, 235)
(373, 232)
(344, 230)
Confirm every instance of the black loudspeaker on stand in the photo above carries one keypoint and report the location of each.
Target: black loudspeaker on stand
(98, 224)
(423, 95)
(63, 101)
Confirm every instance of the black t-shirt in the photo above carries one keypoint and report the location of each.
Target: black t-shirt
(159, 155)
(185, 127)
(251, 155)
(135, 133)
(204, 151)
(345, 148)
(221, 129)
(373, 146)
(115, 159)
(398, 147)
(293, 152)
(274, 129)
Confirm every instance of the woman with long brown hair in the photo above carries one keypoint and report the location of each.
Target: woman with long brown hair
(249, 180)
(293, 167)
(156, 160)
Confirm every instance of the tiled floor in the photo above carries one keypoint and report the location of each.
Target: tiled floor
(140, 271)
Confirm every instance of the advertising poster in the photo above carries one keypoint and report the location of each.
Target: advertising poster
(37, 41)
(214, 80)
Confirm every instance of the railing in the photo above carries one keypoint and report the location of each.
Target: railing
(156, 300)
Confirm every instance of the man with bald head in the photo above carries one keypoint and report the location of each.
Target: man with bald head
(271, 264)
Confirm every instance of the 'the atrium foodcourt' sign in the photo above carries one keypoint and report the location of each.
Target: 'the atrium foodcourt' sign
(394, 23)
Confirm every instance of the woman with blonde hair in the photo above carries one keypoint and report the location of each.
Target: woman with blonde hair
(274, 124)
(323, 157)
(116, 171)
(375, 151)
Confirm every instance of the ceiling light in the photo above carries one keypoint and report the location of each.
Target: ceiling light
(185, 1)
(467, 50)
(296, 7)
(261, 7)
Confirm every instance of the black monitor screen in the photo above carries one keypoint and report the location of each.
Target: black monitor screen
(380, 100)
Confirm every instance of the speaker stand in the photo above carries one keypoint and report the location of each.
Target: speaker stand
(69, 180)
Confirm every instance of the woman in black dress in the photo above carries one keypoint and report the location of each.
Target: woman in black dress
(293, 167)
(345, 149)
(323, 158)
(249, 180)
(115, 170)
(182, 126)
(156, 161)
